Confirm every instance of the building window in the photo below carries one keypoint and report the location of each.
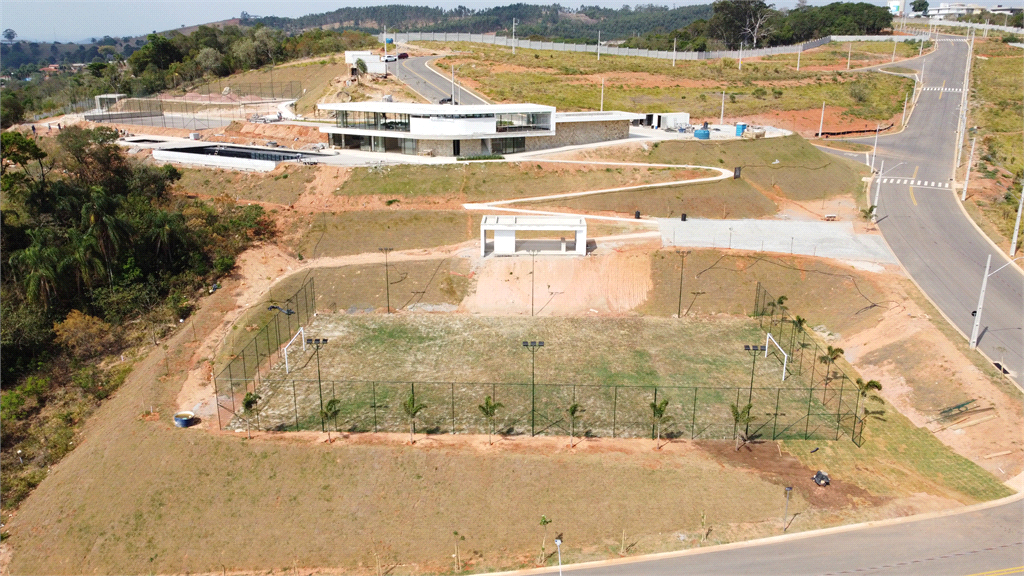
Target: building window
(373, 120)
(508, 145)
(523, 122)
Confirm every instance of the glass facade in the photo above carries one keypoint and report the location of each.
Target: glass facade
(373, 121)
(374, 143)
(508, 145)
(523, 121)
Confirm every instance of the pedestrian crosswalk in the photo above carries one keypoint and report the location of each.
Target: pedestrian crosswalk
(952, 40)
(940, 89)
(913, 182)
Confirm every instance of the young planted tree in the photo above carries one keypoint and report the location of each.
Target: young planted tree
(412, 409)
(573, 412)
(361, 66)
(490, 409)
(544, 521)
(458, 557)
(741, 418)
(249, 408)
(658, 410)
(865, 391)
(828, 359)
(868, 214)
(330, 412)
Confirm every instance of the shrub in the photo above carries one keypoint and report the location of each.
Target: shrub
(760, 93)
(85, 336)
(224, 264)
(776, 93)
(858, 92)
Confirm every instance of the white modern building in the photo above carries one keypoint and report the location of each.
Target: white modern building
(503, 242)
(449, 130)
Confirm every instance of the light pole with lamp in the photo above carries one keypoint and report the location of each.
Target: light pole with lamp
(981, 296)
(682, 255)
(387, 282)
(533, 345)
(875, 147)
(878, 185)
(558, 544)
(755, 348)
(317, 343)
(789, 489)
(533, 276)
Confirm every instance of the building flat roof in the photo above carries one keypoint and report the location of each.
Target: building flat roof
(567, 222)
(608, 116)
(435, 109)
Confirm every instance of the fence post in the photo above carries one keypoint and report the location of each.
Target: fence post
(652, 412)
(775, 422)
(693, 421)
(295, 404)
(839, 405)
(412, 385)
(735, 424)
(807, 426)
(453, 407)
(615, 406)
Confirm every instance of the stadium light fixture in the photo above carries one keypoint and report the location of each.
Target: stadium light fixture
(317, 343)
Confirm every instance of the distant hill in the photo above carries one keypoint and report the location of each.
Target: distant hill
(553, 22)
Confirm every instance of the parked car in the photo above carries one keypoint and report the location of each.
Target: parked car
(447, 100)
(403, 55)
(391, 58)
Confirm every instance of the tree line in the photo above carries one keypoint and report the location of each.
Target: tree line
(755, 24)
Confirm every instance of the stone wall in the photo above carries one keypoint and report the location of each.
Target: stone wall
(578, 133)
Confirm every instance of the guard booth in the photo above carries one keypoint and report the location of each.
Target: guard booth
(558, 235)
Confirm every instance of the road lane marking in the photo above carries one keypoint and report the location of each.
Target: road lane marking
(915, 172)
(912, 195)
(1001, 572)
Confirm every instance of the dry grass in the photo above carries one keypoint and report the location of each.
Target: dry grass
(480, 182)
(362, 231)
(282, 186)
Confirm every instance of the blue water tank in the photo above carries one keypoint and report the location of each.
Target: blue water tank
(702, 134)
(740, 128)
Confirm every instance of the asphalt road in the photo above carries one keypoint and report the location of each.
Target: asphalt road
(926, 229)
(428, 83)
(970, 543)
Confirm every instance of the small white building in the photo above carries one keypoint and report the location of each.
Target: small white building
(374, 63)
(504, 242)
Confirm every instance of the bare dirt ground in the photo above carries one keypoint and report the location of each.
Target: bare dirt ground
(806, 122)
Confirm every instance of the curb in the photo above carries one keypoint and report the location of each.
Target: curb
(429, 66)
(769, 540)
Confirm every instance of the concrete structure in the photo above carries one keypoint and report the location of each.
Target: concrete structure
(959, 9)
(105, 101)
(447, 130)
(374, 63)
(504, 228)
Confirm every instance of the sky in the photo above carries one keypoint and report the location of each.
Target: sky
(79, 20)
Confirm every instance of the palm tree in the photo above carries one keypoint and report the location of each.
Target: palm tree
(164, 228)
(249, 408)
(99, 219)
(868, 214)
(864, 389)
(489, 409)
(828, 359)
(658, 415)
(799, 323)
(330, 412)
(741, 418)
(574, 412)
(80, 258)
(412, 409)
(38, 265)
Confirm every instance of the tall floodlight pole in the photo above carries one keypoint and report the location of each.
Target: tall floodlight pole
(875, 148)
(316, 343)
(674, 52)
(533, 345)
(721, 118)
(849, 54)
(682, 271)
(387, 280)
(967, 177)
(799, 55)
(821, 125)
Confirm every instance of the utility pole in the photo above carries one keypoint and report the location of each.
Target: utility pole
(533, 346)
(741, 58)
(513, 36)
(682, 271)
(721, 119)
(674, 52)
(981, 302)
(967, 177)
(849, 54)
(875, 148)
(798, 55)
(598, 45)
(602, 94)
(821, 125)
(903, 121)
(1016, 227)
(878, 187)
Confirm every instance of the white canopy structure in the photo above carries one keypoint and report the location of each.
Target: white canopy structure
(504, 230)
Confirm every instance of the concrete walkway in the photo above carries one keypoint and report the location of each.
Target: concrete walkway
(824, 239)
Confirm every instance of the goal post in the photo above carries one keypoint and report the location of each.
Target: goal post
(301, 335)
(785, 357)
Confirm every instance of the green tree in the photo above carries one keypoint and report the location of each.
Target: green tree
(658, 410)
(828, 359)
(330, 412)
(799, 323)
(544, 521)
(868, 214)
(249, 408)
(360, 66)
(741, 418)
(919, 5)
(10, 35)
(490, 409)
(865, 391)
(412, 409)
(37, 267)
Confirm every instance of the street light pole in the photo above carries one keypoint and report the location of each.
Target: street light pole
(967, 177)
(682, 270)
(981, 297)
(387, 280)
(513, 36)
(558, 544)
(875, 148)
(789, 489)
(533, 345)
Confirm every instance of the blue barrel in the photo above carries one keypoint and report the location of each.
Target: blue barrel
(740, 128)
(184, 419)
(702, 134)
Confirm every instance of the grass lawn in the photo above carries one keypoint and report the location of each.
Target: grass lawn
(572, 81)
(802, 173)
(484, 181)
(344, 233)
(863, 53)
